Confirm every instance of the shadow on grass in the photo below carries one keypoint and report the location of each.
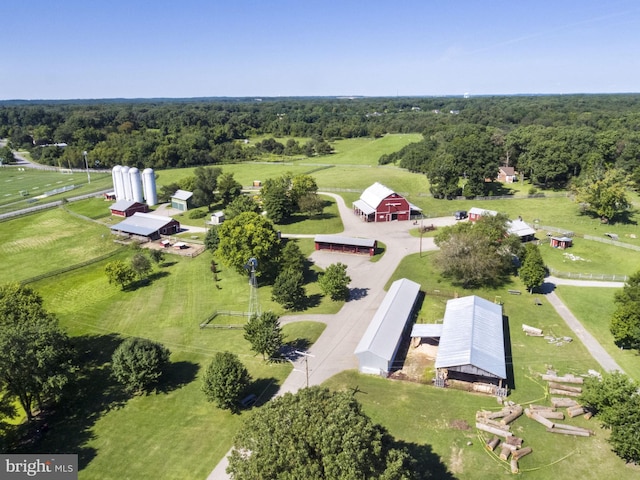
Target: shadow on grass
(508, 353)
(94, 393)
(176, 375)
(264, 388)
(428, 464)
(312, 301)
(144, 282)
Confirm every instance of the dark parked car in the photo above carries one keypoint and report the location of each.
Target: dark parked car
(461, 214)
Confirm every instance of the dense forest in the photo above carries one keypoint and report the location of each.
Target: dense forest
(549, 139)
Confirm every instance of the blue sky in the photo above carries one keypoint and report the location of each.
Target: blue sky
(191, 48)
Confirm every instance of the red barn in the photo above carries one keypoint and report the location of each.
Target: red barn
(126, 208)
(381, 204)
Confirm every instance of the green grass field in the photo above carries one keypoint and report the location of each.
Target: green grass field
(177, 434)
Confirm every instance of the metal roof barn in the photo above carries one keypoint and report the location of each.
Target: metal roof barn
(379, 344)
(147, 225)
(472, 340)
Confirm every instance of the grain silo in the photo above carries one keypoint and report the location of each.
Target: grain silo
(149, 184)
(128, 194)
(136, 185)
(118, 186)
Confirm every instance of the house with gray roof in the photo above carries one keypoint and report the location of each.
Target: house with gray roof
(379, 345)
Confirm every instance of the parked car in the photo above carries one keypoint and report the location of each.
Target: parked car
(460, 214)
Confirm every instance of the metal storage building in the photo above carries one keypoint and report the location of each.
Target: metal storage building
(472, 339)
(146, 225)
(379, 344)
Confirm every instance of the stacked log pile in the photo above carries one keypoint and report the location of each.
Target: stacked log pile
(498, 423)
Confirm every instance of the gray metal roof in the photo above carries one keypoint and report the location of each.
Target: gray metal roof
(386, 327)
(426, 330)
(341, 240)
(142, 224)
(182, 195)
(122, 205)
(520, 228)
(472, 334)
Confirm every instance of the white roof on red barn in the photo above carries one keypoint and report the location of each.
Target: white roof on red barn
(122, 205)
(375, 194)
(342, 240)
(482, 211)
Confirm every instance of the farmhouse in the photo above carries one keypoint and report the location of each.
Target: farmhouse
(146, 226)
(472, 341)
(181, 200)
(126, 208)
(507, 175)
(381, 204)
(339, 243)
(379, 344)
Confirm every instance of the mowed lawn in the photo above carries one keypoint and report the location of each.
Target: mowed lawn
(43, 242)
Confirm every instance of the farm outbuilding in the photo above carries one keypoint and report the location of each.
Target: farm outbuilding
(181, 200)
(339, 243)
(475, 213)
(379, 345)
(507, 175)
(521, 229)
(381, 204)
(472, 341)
(561, 242)
(146, 226)
(217, 218)
(126, 208)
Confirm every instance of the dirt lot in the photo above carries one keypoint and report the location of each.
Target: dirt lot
(418, 365)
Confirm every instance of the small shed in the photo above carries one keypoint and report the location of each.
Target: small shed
(339, 243)
(521, 229)
(217, 218)
(181, 200)
(379, 345)
(561, 242)
(475, 213)
(126, 208)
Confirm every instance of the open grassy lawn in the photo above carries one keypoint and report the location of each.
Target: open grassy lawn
(19, 188)
(594, 307)
(588, 256)
(42, 242)
(435, 420)
(367, 151)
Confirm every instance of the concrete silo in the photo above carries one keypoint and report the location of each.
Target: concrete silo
(118, 186)
(126, 181)
(136, 185)
(149, 183)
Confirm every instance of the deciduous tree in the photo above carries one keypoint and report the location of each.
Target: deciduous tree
(246, 236)
(228, 188)
(288, 289)
(334, 282)
(36, 357)
(138, 364)
(241, 204)
(120, 273)
(625, 322)
(224, 380)
(141, 265)
(317, 434)
(604, 194)
(264, 333)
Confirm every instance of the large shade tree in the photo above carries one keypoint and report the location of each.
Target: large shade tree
(36, 357)
(224, 380)
(247, 236)
(625, 322)
(264, 333)
(316, 434)
(138, 364)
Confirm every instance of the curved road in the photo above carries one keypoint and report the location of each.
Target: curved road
(333, 351)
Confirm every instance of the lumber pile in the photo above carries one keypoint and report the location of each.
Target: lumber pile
(552, 377)
(509, 449)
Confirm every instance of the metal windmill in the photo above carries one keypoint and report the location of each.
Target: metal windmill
(254, 304)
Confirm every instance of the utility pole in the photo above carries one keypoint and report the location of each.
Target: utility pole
(306, 362)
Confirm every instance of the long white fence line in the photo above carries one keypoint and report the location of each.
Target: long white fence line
(588, 276)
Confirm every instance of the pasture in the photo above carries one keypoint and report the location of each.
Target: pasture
(175, 433)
